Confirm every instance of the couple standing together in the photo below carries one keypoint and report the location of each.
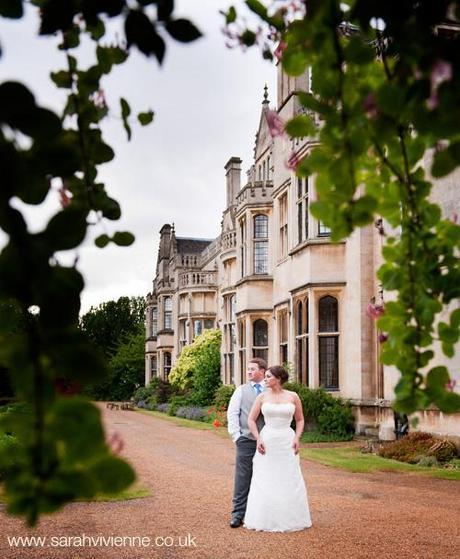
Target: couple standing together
(269, 492)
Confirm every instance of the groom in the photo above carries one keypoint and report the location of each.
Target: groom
(237, 415)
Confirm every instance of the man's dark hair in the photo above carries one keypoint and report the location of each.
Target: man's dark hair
(261, 363)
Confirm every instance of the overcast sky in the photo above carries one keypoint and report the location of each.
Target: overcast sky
(207, 102)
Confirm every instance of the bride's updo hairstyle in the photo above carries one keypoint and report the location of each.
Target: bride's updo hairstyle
(279, 372)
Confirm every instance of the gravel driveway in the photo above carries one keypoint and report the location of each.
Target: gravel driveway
(190, 474)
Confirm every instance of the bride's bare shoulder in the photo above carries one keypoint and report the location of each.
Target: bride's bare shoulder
(293, 395)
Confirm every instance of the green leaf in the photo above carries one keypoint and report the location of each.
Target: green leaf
(102, 240)
(230, 16)
(112, 474)
(56, 16)
(455, 318)
(443, 163)
(300, 126)
(449, 402)
(123, 238)
(248, 38)
(257, 7)
(391, 99)
(76, 424)
(359, 52)
(447, 334)
(182, 30)
(141, 32)
(60, 298)
(74, 357)
(66, 229)
(96, 30)
(11, 9)
(145, 118)
(295, 61)
(437, 378)
(125, 112)
(62, 79)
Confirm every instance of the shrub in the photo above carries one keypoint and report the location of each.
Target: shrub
(163, 408)
(198, 367)
(146, 392)
(8, 446)
(427, 461)
(176, 402)
(336, 419)
(324, 413)
(191, 412)
(417, 444)
(141, 393)
(163, 391)
(223, 394)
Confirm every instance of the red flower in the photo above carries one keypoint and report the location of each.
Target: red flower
(383, 337)
(217, 423)
(375, 311)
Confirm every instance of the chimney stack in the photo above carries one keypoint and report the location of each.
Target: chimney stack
(233, 174)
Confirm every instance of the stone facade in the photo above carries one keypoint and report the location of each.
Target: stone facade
(278, 288)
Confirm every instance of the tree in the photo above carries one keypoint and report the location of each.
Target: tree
(127, 367)
(384, 96)
(198, 367)
(63, 455)
(109, 324)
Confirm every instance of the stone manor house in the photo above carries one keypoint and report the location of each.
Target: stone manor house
(279, 289)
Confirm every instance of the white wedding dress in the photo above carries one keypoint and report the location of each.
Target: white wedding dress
(277, 500)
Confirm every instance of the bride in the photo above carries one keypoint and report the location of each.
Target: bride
(277, 500)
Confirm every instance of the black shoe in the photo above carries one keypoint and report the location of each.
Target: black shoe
(235, 522)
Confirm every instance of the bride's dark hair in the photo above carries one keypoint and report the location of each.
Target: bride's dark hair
(279, 372)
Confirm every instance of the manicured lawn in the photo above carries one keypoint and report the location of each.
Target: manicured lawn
(353, 460)
(182, 422)
(127, 494)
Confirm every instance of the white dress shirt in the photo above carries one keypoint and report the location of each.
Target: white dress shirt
(233, 411)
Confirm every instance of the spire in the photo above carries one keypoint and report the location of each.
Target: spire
(265, 102)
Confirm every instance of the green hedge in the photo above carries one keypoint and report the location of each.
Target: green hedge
(323, 412)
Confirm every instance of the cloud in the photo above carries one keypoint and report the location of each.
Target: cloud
(207, 102)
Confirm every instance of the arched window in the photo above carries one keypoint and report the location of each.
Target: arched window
(166, 364)
(302, 351)
(299, 327)
(260, 226)
(167, 313)
(260, 244)
(328, 314)
(154, 321)
(260, 339)
(328, 342)
(153, 366)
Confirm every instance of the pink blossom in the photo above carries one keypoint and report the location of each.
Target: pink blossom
(450, 385)
(370, 106)
(375, 311)
(115, 442)
(440, 72)
(275, 123)
(293, 161)
(64, 198)
(280, 50)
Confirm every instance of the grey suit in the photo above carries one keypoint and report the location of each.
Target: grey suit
(245, 450)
